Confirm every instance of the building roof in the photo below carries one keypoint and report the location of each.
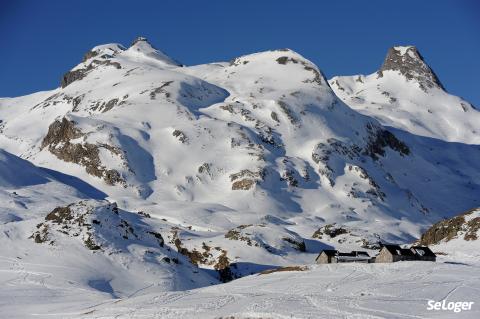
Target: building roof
(359, 253)
(393, 249)
(329, 252)
(396, 250)
(406, 252)
(354, 255)
(423, 251)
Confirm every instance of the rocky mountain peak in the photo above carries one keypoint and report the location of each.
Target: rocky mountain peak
(141, 46)
(104, 51)
(408, 61)
(139, 39)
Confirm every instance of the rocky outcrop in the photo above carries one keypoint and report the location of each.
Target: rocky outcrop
(297, 244)
(253, 235)
(209, 256)
(98, 227)
(236, 234)
(335, 154)
(78, 74)
(288, 112)
(89, 55)
(223, 268)
(59, 142)
(329, 230)
(317, 76)
(323, 153)
(246, 179)
(409, 62)
(464, 226)
(182, 137)
(138, 39)
(161, 90)
(379, 139)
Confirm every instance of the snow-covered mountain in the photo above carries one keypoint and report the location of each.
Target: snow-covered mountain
(236, 166)
(405, 93)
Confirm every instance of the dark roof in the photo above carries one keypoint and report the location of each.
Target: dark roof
(414, 250)
(396, 250)
(354, 253)
(361, 253)
(423, 251)
(393, 249)
(329, 252)
(406, 252)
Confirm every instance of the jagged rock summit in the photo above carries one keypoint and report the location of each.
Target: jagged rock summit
(405, 93)
(408, 61)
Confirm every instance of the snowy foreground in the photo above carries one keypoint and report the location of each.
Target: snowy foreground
(399, 290)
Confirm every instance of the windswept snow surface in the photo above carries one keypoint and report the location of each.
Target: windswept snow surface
(399, 290)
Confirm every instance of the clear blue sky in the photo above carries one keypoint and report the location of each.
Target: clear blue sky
(41, 40)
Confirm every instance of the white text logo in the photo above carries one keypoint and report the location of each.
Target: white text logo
(452, 306)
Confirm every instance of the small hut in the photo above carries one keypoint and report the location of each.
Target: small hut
(334, 256)
(394, 253)
(326, 256)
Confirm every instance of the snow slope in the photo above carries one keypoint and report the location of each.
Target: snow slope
(27, 191)
(399, 290)
(86, 252)
(413, 101)
(238, 166)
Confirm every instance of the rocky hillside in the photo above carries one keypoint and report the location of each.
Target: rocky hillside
(455, 239)
(236, 167)
(464, 226)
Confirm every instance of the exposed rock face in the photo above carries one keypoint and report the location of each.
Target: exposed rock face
(78, 74)
(329, 230)
(215, 257)
(288, 113)
(89, 55)
(58, 140)
(375, 188)
(61, 131)
(72, 76)
(466, 225)
(379, 139)
(245, 179)
(180, 136)
(223, 267)
(299, 245)
(409, 62)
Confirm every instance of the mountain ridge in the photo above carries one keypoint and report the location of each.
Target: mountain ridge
(237, 165)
